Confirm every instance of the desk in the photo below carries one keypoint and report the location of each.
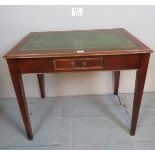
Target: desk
(72, 51)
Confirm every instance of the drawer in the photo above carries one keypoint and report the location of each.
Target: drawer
(75, 64)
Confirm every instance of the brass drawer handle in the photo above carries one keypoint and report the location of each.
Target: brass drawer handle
(73, 64)
(84, 63)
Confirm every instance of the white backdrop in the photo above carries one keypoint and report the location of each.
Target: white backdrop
(17, 21)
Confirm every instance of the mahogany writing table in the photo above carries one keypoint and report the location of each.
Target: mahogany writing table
(82, 50)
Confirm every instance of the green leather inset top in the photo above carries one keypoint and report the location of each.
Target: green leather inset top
(78, 40)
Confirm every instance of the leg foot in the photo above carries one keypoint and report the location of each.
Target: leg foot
(132, 133)
(30, 137)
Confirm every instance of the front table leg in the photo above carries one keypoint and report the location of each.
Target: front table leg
(20, 94)
(139, 86)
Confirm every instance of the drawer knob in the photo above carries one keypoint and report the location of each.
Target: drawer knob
(73, 64)
(84, 63)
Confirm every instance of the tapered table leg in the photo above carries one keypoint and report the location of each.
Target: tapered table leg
(41, 84)
(139, 86)
(20, 94)
(116, 83)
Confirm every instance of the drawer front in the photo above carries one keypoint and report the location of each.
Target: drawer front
(77, 64)
(117, 62)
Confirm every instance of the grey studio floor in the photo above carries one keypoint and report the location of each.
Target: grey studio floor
(97, 122)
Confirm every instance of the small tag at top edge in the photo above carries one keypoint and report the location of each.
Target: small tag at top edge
(80, 51)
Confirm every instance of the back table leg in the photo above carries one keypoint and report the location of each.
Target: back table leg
(116, 83)
(41, 84)
(20, 94)
(139, 86)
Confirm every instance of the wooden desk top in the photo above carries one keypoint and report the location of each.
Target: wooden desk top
(77, 43)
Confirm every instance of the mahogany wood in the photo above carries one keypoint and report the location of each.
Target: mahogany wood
(20, 94)
(116, 84)
(41, 84)
(48, 65)
(15, 53)
(139, 86)
(41, 62)
(75, 64)
(35, 65)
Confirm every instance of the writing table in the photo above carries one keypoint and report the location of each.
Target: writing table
(81, 50)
